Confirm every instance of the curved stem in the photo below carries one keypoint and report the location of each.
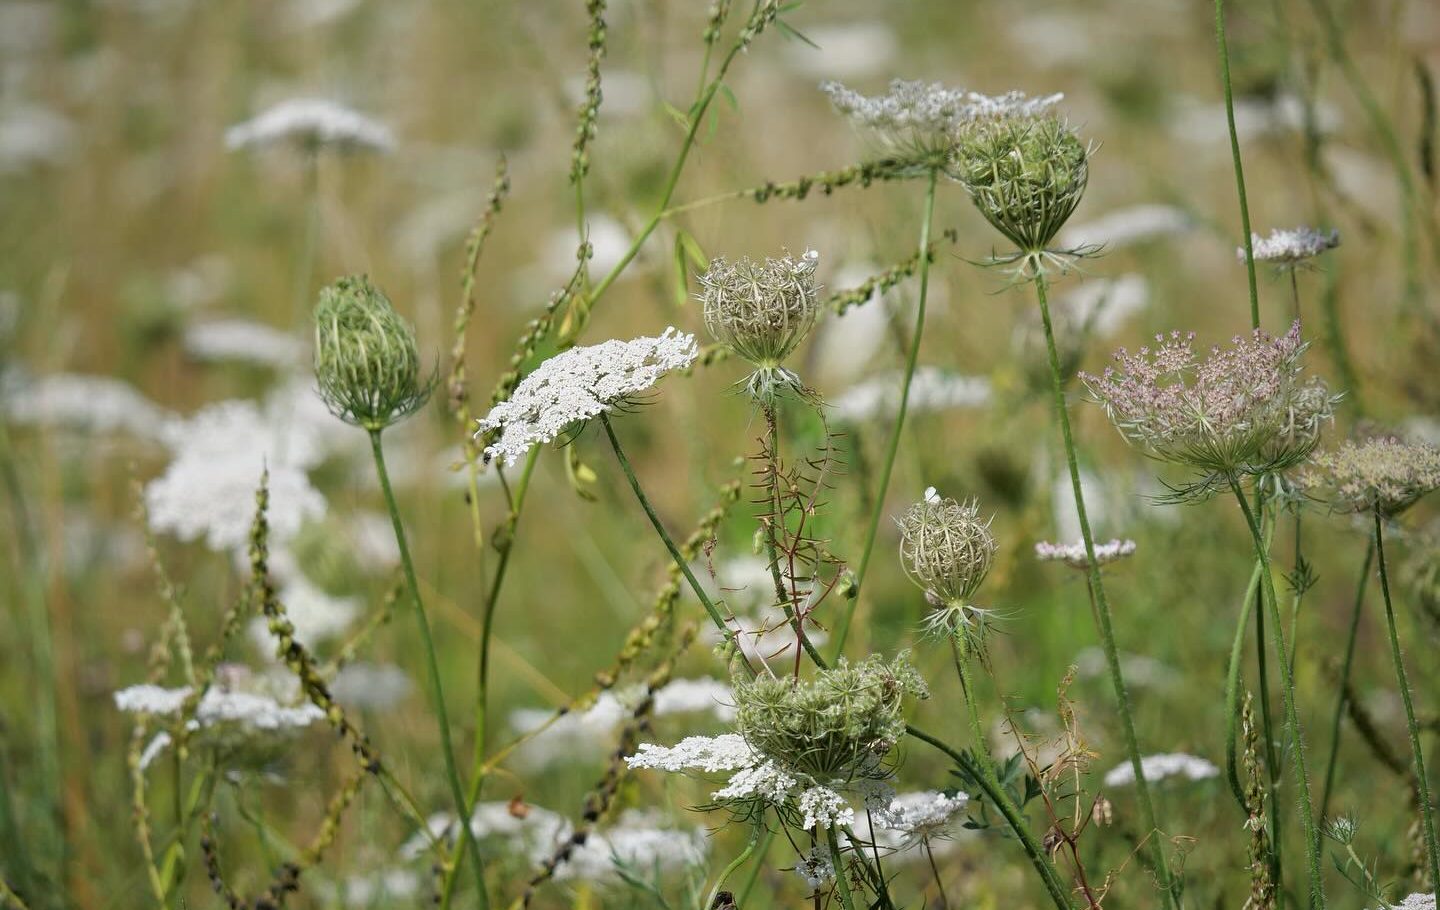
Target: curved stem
(1345, 678)
(437, 693)
(1292, 714)
(842, 885)
(735, 863)
(1427, 814)
(1101, 607)
(843, 627)
(754, 876)
(1224, 49)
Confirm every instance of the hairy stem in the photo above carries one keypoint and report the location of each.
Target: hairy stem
(1101, 607)
(437, 692)
(843, 627)
(1339, 712)
(1422, 786)
(1292, 714)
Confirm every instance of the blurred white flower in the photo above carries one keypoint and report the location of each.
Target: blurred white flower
(372, 687)
(922, 816)
(815, 868)
(316, 616)
(1139, 669)
(93, 404)
(1129, 226)
(609, 241)
(627, 93)
(932, 389)
(642, 842)
(843, 345)
(380, 888)
(1159, 767)
(1199, 123)
(31, 136)
(244, 341)
(846, 50)
(1074, 555)
(1290, 246)
(1104, 305)
(311, 123)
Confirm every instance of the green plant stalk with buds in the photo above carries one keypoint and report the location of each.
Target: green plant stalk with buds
(1422, 786)
(843, 627)
(1101, 604)
(1292, 715)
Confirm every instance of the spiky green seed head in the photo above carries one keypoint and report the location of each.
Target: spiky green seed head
(761, 310)
(839, 725)
(946, 548)
(366, 360)
(1026, 175)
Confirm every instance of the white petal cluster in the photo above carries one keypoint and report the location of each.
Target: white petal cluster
(1416, 901)
(921, 815)
(824, 807)
(1290, 246)
(147, 699)
(1159, 767)
(641, 842)
(766, 780)
(710, 754)
(208, 491)
(1129, 226)
(929, 113)
(815, 868)
(1073, 554)
(932, 389)
(579, 384)
(217, 706)
(311, 123)
(530, 831)
(243, 341)
(92, 404)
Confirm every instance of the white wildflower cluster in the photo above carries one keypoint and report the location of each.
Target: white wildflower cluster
(708, 754)
(932, 389)
(32, 136)
(921, 815)
(1129, 226)
(927, 115)
(1288, 247)
(1139, 669)
(90, 404)
(1159, 767)
(579, 384)
(581, 735)
(1073, 554)
(815, 868)
(242, 341)
(208, 491)
(1416, 901)
(245, 713)
(372, 687)
(375, 889)
(311, 123)
(825, 808)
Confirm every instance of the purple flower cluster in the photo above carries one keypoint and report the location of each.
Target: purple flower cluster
(1244, 409)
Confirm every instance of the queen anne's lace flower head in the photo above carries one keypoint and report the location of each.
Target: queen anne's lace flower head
(310, 124)
(1416, 901)
(1245, 409)
(921, 816)
(579, 384)
(367, 362)
(1159, 767)
(947, 550)
(1382, 474)
(1290, 247)
(762, 311)
(1073, 554)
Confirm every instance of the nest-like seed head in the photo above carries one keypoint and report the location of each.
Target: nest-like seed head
(1382, 474)
(366, 360)
(761, 311)
(1026, 175)
(946, 548)
(839, 725)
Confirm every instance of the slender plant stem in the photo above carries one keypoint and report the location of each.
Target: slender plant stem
(1267, 728)
(437, 692)
(1233, 688)
(735, 863)
(1292, 714)
(935, 870)
(1422, 786)
(1101, 606)
(744, 897)
(1224, 50)
(842, 884)
(1339, 711)
(843, 627)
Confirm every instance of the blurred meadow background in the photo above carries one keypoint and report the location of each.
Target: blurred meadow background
(151, 269)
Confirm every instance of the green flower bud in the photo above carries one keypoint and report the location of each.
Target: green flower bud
(1026, 176)
(762, 311)
(366, 359)
(839, 725)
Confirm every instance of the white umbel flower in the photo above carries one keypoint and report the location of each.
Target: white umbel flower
(242, 341)
(1416, 901)
(824, 807)
(815, 868)
(579, 384)
(311, 123)
(316, 615)
(1290, 246)
(1159, 767)
(1073, 554)
(217, 706)
(639, 841)
(921, 816)
(926, 115)
(710, 754)
(91, 404)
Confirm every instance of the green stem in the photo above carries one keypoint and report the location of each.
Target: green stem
(1232, 689)
(1427, 816)
(735, 863)
(744, 897)
(1339, 711)
(1011, 815)
(1235, 154)
(843, 627)
(842, 884)
(437, 692)
(681, 562)
(1267, 728)
(1292, 714)
(935, 870)
(1101, 607)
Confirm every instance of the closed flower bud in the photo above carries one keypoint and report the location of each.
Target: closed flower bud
(1026, 175)
(366, 359)
(946, 548)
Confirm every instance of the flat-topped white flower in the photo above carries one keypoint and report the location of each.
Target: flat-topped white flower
(639, 841)
(921, 816)
(1073, 554)
(924, 116)
(85, 403)
(311, 123)
(1416, 901)
(1159, 767)
(218, 706)
(815, 868)
(579, 384)
(1290, 246)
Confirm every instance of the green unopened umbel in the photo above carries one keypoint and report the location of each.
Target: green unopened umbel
(366, 359)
